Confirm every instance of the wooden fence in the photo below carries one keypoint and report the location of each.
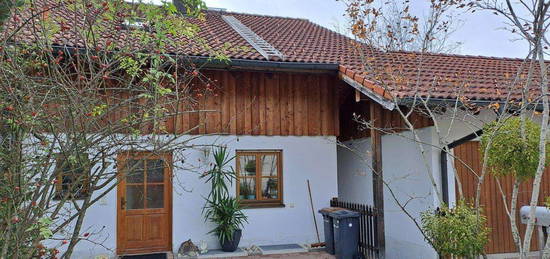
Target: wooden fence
(368, 244)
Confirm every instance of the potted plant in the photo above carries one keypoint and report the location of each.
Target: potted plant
(250, 168)
(244, 190)
(222, 209)
(229, 218)
(250, 194)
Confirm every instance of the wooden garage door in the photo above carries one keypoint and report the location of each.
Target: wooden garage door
(500, 238)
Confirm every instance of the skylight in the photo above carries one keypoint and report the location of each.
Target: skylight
(136, 24)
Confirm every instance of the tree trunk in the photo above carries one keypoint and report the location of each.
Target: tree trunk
(78, 226)
(542, 148)
(512, 215)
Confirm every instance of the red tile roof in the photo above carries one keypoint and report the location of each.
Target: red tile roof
(394, 74)
(440, 76)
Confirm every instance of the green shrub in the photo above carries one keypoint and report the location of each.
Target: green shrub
(509, 153)
(547, 202)
(458, 231)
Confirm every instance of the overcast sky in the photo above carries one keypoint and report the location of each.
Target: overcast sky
(481, 33)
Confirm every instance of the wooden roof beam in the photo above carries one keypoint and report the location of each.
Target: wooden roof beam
(387, 104)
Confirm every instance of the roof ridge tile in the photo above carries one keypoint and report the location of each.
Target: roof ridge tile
(457, 55)
(255, 15)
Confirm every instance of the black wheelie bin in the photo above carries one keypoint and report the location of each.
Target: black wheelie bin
(346, 233)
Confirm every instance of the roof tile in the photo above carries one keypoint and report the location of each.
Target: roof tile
(399, 74)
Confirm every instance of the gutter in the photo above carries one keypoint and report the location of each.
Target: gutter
(410, 100)
(443, 162)
(437, 101)
(209, 62)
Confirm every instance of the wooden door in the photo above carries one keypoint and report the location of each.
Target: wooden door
(144, 210)
(500, 238)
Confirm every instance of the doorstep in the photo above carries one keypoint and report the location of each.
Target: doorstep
(218, 253)
(306, 255)
(283, 249)
(255, 250)
(164, 255)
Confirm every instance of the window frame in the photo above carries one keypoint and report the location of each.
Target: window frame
(259, 202)
(59, 173)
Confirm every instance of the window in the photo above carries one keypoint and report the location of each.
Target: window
(259, 178)
(73, 172)
(146, 177)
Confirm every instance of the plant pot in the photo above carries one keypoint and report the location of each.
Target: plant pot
(242, 197)
(251, 197)
(231, 245)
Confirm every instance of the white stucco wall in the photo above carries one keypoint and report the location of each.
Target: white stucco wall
(304, 158)
(355, 171)
(405, 173)
(454, 126)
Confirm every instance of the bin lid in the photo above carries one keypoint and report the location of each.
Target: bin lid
(343, 214)
(328, 210)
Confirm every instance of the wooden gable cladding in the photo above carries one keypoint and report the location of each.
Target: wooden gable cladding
(261, 103)
(214, 102)
(352, 113)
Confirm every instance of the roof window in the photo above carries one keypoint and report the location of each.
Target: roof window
(137, 24)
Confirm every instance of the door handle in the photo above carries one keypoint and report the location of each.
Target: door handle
(122, 203)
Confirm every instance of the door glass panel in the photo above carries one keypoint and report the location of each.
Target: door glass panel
(248, 165)
(155, 171)
(155, 196)
(134, 171)
(247, 189)
(270, 188)
(134, 197)
(269, 165)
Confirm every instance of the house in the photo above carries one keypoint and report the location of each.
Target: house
(290, 99)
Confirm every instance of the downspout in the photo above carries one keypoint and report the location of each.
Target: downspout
(443, 162)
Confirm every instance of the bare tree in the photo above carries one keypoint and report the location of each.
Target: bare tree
(521, 93)
(392, 26)
(529, 20)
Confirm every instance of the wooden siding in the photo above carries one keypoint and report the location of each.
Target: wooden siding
(491, 199)
(262, 103)
(392, 121)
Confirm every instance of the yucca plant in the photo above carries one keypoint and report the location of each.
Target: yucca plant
(228, 216)
(222, 209)
(220, 174)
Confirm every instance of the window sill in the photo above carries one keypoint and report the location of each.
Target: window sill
(258, 205)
